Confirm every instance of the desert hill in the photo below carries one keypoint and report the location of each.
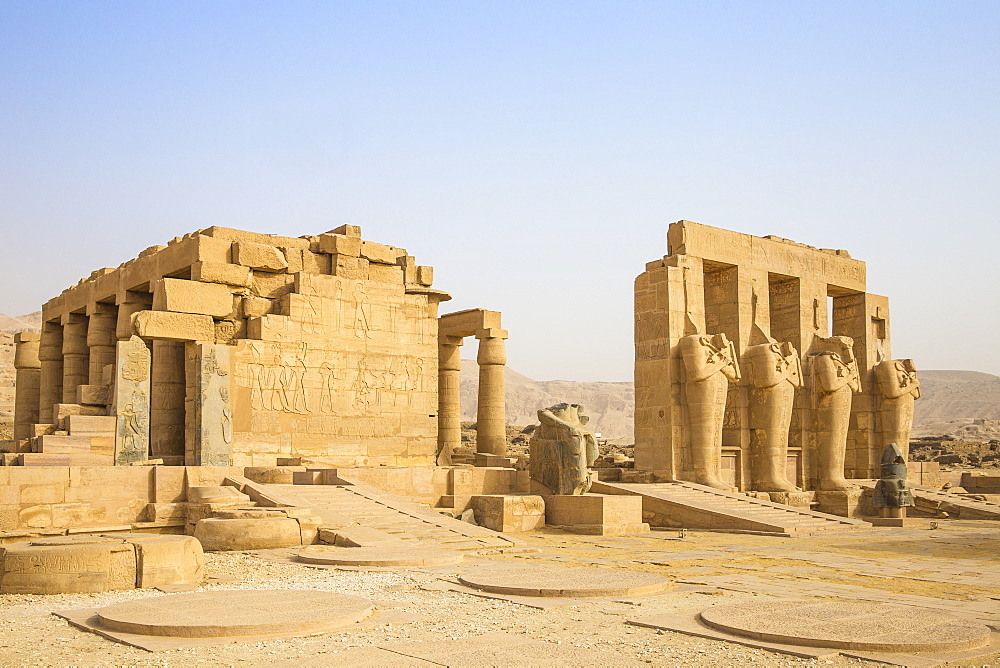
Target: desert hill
(952, 402)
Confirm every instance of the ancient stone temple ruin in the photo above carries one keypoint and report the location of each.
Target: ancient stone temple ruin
(764, 364)
(231, 348)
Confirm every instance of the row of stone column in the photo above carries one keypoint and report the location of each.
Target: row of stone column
(491, 419)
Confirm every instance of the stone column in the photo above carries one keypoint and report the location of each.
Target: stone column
(130, 402)
(449, 397)
(491, 419)
(101, 339)
(26, 385)
(128, 303)
(76, 356)
(167, 400)
(50, 381)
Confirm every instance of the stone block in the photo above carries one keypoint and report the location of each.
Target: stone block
(180, 296)
(596, 514)
(506, 513)
(93, 395)
(795, 499)
(347, 230)
(64, 445)
(253, 534)
(340, 244)
(354, 536)
(844, 503)
(166, 560)
(425, 275)
(273, 475)
(221, 272)
(346, 266)
(82, 568)
(217, 494)
(255, 307)
(315, 263)
(374, 252)
(385, 273)
(91, 425)
(168, 326)
(260, 257)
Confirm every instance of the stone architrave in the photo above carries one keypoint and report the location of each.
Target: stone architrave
(774, 372)
(898, 383)
(130, 402)
(213, 413)
(710, 365)
(892, 493)
(835, 381)
(562, 449)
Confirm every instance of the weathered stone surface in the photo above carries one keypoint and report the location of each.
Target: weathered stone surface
(561, 450)
(221, 272)
(562, 581)
(899, 387)
(165, 560)
(835, 381)
(383, 556)
(259, 256)
(168, 326)
(174, 294)
(596, 514)
(253, 534)
(236, 613)
(774, 371)
(892, 490)
(856, 625)
(130, 401)
(508, 513)
(86, 565)
(208, 367)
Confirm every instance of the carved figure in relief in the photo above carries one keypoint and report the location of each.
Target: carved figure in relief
(709, 365)
(562, 450)
(362, 312)
(899, 386)
(327, 372)
(774, 372)
(835, 380)
(132, 428)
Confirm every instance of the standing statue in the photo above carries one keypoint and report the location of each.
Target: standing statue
(835, 380)
(897, 381)
(892, 493)
(710, 365)
(774, 372)
(562, 449)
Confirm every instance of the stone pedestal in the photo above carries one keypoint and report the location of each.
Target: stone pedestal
(845, 503)
(794, 499)
(495, 461)
(596, 514)
(508, 513)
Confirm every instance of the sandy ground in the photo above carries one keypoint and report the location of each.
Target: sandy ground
(33, 636)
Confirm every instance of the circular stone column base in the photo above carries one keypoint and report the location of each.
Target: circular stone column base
(856, 625)
(379, 557)
(562, 581)
(236, 613)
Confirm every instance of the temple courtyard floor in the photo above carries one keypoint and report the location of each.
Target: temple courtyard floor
(429, 618)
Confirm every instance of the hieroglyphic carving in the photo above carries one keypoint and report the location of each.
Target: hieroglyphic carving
(213, 411)
(131, 401)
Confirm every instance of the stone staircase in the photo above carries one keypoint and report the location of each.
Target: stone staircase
(691, 506)
(87, 440)
(368, 506)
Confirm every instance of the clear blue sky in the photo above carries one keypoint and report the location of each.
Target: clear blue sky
(533, 152)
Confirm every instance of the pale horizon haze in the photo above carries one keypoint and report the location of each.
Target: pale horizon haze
(533, 153)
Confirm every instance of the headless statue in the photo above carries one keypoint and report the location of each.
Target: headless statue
(562, 450)
(897, 381)
(710, 365)
(775, 372)
(835, 381)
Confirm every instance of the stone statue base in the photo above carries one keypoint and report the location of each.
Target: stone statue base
(509, 513)
(846, 503)
(907, 522)
(794, 499)
(596, 514)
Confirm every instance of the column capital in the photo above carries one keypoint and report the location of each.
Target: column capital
(491, 333)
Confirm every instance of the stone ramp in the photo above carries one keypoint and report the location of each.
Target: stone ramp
(933, 501)
(369, 506)
(691, 506)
